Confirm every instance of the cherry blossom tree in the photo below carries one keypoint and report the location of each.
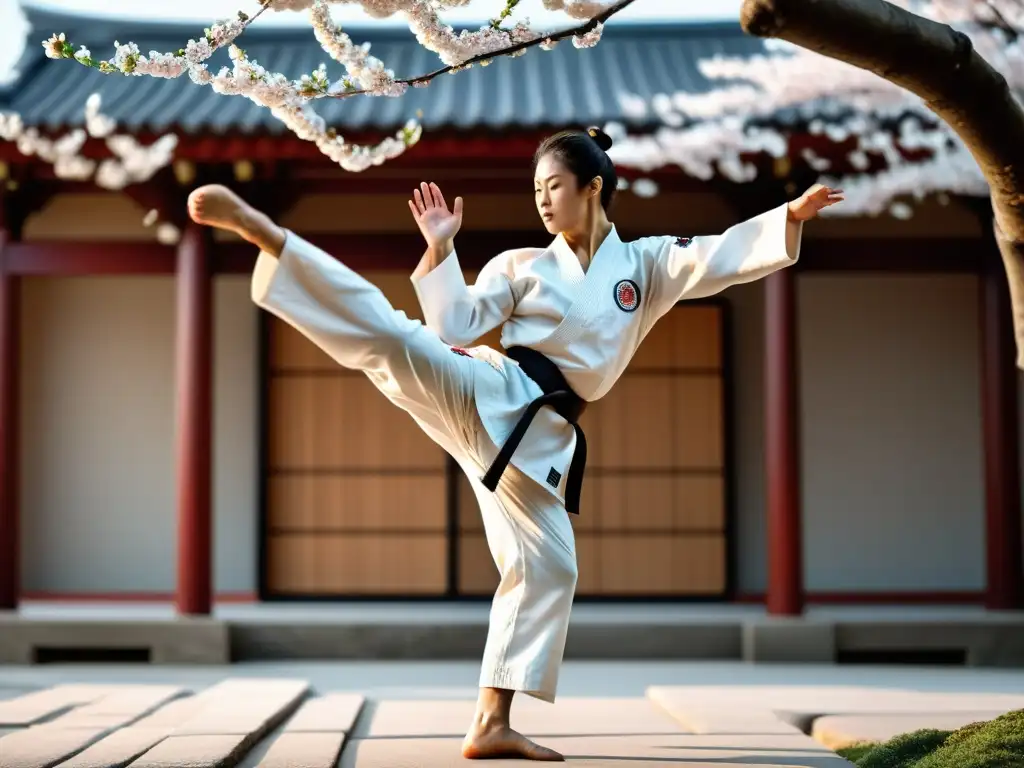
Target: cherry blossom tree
(882, 142)
(908, 98)
(293, 101)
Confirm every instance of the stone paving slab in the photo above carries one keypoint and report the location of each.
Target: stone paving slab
(119, 707)
(173, 713)
(720, 720)
(119, 748)
(36, 706)
(566, 717)
(75, 719)
(304, 750)
(828, 700)
(689, 750)
(245, 707)
(44, 746)
(195, 752)
(331, 713)
(134, 699)
(838, 731)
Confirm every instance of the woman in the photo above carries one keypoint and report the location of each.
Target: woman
(572, 315)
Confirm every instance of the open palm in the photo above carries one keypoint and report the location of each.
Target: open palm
(437, 224)
(813, 200)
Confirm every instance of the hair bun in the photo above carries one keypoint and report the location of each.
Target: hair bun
(604, 141)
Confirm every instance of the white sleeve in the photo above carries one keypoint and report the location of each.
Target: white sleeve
(459, 313)
(691, 268)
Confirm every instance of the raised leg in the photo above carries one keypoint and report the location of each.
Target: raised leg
(351, 320)
(217, 206)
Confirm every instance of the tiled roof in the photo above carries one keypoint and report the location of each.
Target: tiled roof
(538, 90)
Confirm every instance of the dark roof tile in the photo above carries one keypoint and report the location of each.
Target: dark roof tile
(538, 90)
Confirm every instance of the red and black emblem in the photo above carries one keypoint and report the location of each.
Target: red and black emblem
(684, 242)
(627, 295)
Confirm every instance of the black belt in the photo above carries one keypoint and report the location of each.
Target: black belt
(567, 404)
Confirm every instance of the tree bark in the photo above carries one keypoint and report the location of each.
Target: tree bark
(940, 65)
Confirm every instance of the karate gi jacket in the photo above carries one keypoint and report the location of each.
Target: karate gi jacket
(589, 323)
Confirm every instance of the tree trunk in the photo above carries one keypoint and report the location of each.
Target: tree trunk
(941, 66)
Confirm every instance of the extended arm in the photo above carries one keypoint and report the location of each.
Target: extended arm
(690, 268)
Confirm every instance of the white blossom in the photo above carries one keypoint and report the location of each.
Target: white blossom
(290, 100)
(131, 162)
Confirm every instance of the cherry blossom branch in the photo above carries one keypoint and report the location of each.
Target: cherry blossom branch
(583, 37)
(290, 100)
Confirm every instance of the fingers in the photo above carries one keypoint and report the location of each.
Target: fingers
(428, 196)
(458, 207)
(438, 197)
(416, 213)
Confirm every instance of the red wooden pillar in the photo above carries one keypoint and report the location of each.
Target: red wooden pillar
(10, 559)
(782, 451)
(1005, 589)
(194, 431)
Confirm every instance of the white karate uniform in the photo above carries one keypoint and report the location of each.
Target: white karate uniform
(589, 323)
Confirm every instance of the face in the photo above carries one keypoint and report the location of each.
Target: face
(561, 203)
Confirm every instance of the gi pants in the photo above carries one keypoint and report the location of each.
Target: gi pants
(527, 527)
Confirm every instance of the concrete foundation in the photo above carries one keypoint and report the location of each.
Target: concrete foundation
(457, 632)
(183, 640)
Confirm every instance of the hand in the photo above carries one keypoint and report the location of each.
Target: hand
(437, 224)
(812, 201)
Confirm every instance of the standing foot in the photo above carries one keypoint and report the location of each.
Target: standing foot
(217, 206)
(499, 740)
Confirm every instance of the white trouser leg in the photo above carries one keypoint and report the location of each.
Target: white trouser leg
(531, 540)
(528, 530)
(351, 320)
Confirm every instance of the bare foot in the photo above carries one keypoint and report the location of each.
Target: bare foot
(217, 206)
(499, 740)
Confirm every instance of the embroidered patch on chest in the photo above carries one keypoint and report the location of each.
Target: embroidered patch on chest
(684, 242)
(627, 295)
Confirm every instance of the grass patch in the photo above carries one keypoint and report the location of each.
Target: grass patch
(995, 743)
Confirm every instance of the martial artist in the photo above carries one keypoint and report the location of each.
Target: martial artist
(572, 316)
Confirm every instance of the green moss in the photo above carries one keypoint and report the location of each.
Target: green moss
(856, 752)
(996, 743)
(904, 751)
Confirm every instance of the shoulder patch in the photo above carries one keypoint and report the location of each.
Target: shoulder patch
(627, 295)
(684, 242)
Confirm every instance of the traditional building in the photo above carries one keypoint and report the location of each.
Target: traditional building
(844, 431)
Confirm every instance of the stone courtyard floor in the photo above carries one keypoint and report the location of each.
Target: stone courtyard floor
(403, 715)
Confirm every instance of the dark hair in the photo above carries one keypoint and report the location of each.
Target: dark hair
(585, 154)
